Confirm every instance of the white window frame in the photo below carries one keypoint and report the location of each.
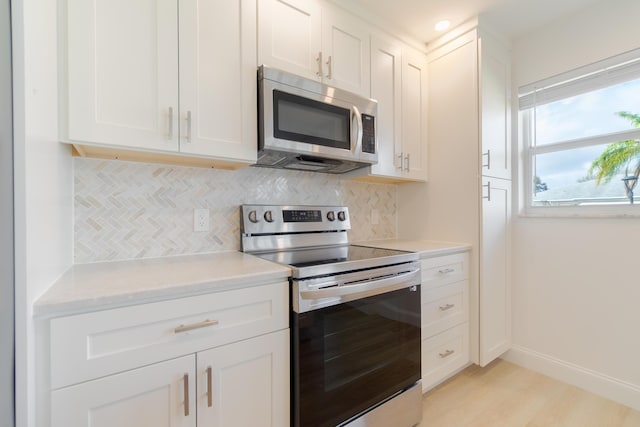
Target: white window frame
(603, 74)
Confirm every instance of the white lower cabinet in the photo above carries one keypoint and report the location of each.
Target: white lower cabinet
(445, 317)
(245, 384)
(156, 395)
(216, 360)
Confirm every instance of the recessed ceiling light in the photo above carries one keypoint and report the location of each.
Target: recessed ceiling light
(442, 25)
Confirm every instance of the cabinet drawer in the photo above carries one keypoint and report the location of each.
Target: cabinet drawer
(91, 345)
(444, 354)
(444, 307)
(445, 269)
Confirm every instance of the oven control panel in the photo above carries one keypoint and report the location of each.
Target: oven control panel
(272, 219)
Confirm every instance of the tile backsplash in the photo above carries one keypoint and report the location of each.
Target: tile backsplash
(126, 210)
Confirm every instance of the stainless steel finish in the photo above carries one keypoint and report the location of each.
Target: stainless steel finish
(282, 153)
(185, 380)
(446, 354)
(329, 74)
(488, 164)
(446, 307)
(402, 410)
(209, 387)
(408, 161)
(170, 133)
(268, 216)
(277, 225)
(253, 216)
(356, 144)
(319, 61)
(188, 126)
(315, 293)
(446, 271)
(186, 328)
(488, 187)
(260, 244)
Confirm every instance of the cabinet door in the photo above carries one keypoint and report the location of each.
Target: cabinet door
(245, 384)
(218, 78)
(414, 114)
(155, 395)
(386, 62)
(495, 280)
(345, 51)
(289, 36)
(122, 77)
(495, 116)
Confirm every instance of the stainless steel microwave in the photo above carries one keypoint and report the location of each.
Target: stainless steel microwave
(306, 125)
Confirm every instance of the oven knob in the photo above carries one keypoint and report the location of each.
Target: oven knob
(331, 216)
(253, 216)
(268, 216)
(342, 216)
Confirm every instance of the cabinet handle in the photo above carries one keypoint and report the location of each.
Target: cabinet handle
(446, 354)
(329, 67)
(189, 126)
(186, 394)
(209, 387)
(488, 164)
(170, 133)
(446, 307)
(319, 61)
(408, 160)
(446, 271)
(488, 196)
(191, 327)
(401, 161)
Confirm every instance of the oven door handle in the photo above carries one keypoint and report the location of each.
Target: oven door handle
(367, 288)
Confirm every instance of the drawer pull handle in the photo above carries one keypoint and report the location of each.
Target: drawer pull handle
(186, 395)
(209, 387)
(446, 271)
(203, 324)
(446, 354)
(447, 307)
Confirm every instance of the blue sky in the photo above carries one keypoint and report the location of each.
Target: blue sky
(588, 114)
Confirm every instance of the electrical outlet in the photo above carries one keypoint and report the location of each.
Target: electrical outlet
(375, 217)
(201, 220)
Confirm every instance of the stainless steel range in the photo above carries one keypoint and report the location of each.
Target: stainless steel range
(355, 318)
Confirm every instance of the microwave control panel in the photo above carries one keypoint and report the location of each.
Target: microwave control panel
(368, 134)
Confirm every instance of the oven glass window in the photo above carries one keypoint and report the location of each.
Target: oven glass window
(301, 119)
(353, 355)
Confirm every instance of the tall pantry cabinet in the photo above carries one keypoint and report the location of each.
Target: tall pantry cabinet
(468, 197)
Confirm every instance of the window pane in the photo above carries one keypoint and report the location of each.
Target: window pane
(589, 114)
(562, 178)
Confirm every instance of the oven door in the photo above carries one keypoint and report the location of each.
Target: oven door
(349, 357)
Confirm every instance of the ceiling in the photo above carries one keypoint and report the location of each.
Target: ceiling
(511, 17)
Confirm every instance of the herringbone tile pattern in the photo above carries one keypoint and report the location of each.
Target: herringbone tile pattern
(126, 210)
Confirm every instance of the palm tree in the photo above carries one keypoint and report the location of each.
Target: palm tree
(618, 155)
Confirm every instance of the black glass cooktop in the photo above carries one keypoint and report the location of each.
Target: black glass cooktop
(332, 260)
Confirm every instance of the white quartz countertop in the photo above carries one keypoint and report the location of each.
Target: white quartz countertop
(426, 248)
(89, 287)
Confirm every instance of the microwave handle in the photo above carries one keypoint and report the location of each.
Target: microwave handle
(354, 144)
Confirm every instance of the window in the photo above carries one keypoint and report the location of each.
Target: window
(581, 134)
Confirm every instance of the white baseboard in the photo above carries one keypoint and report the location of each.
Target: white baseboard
(611, 388)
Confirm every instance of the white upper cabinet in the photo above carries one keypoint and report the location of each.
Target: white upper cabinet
(123, 73)
(386, 88)
(414, 115)
(316, 41)
(165, 76)
(289, 36)
(495, 98)
(399, 84)
(218, 78)
(345, 51)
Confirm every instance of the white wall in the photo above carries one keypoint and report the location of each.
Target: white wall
(43, 183)
(576, 294)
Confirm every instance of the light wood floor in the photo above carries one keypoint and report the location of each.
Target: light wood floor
(506, 395)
